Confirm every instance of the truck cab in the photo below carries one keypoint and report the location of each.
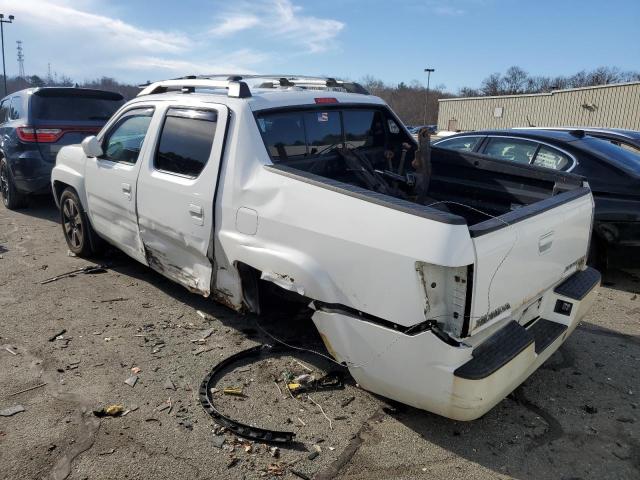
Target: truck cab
(440, 279)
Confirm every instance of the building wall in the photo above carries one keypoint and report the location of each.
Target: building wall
(613, 106)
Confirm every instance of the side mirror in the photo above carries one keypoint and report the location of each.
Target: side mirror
(91, 147)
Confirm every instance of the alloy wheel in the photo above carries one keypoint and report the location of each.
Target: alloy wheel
(72, 222)
(4, 183)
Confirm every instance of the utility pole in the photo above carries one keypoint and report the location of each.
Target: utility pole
(4, 70)
(20, 60)
(426, 100)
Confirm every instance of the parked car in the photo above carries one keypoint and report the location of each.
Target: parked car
(34, 124)
(424, 281)
(613, 174)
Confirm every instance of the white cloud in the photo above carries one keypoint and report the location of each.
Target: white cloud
(281, 19)
(234, 24)
(86, 45)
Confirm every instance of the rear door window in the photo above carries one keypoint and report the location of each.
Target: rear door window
(551, 158)
(365, 128)
(124, 140)
(15, 110)
(464, 144)
(185, 141)
(4, 111)
(512, 149)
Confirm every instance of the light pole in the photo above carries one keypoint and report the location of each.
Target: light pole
(4, 70)
(426, 100)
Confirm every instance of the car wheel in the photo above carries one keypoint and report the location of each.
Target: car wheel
(11, 198)
(75, 225)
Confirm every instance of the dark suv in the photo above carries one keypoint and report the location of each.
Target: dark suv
(35, 124)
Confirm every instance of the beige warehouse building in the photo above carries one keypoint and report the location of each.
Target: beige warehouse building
(612, 106)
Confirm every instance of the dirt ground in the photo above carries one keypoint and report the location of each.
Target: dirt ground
(578, 417)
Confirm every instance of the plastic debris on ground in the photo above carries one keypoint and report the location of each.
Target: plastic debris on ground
(109, 411)
(8, 412)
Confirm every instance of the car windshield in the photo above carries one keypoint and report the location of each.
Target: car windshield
(620, 157)
(74, 108)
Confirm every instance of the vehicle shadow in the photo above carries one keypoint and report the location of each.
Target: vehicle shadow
(43, 207)
(574, 418)
(622, 279)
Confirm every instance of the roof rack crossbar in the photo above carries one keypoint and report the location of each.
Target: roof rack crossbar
(234, 88)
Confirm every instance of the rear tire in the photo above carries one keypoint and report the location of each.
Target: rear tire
(11, 198)
(75, 224)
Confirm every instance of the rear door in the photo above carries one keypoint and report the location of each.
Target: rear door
(175, 194)
(111, 180)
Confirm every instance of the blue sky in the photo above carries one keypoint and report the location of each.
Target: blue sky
(464, 40)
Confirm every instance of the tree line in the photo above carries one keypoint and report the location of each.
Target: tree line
(409, 101)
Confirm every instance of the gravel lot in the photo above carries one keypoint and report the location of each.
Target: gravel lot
(578, 417)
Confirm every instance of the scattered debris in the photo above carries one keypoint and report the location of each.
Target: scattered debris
(300, 475)
(88, 270)
(26, 390)
(131, 381)
(205, 316)
(8, 349)
(321, 410)
(275, 452)
(169, 385)
(303, 366)
(109, 411)
(203, 335)
(590, 409)
(108, 452)
(218, 441)
(136, 370)
(132, 408)
(237, 391)
(117, 299)
(313, 454)
(276, 469)
(301, 421)
(347, 401)
(8, 412)
(53, 338)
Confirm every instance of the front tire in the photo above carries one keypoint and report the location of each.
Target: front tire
(75, 224)
(11, 198)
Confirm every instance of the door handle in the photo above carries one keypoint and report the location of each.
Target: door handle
(126, 189)
(197, 213)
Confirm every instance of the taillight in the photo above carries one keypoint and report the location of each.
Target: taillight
(42, 135)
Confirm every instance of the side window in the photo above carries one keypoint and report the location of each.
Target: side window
(464, 144)
(551, 158)
(4, 111)
(15, 111)
(511, 149)
(124, 141)
(364, 128)
(185, 141)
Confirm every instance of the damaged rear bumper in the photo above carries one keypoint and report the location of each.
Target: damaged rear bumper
(458, 382)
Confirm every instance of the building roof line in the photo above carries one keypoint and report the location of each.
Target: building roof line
(547, 94)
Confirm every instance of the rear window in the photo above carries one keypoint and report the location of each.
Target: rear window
(73, 108)
(624, 159)
(311, 133)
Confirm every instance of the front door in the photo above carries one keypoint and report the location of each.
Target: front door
(111, 181)
(175, 196)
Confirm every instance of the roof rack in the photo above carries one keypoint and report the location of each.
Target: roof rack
(236, 85)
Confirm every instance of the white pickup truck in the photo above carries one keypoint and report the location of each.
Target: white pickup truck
(442, 279)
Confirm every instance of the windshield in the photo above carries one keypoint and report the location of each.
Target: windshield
(73, 108)
(622, 158)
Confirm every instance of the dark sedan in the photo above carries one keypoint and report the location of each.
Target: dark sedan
(612, 170)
